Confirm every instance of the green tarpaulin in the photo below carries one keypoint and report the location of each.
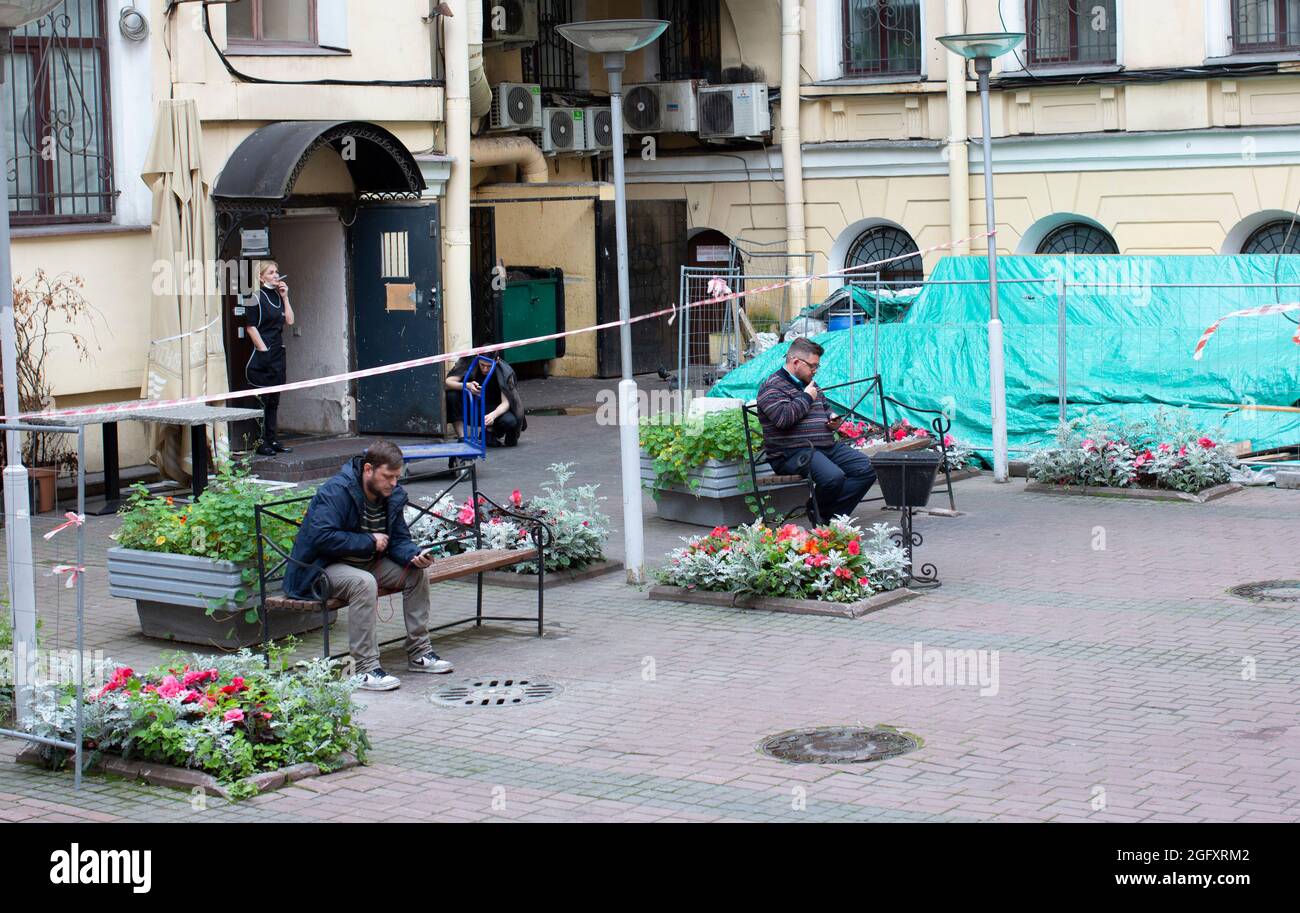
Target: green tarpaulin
(1132, 324)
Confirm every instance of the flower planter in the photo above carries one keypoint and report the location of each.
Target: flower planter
(792, 606)
(172, 594)
(721, 499)
(553, 578)
(1140, 494)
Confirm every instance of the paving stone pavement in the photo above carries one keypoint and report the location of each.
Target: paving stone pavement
(1130, 685)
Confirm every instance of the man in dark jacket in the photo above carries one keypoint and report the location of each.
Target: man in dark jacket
(355, 534)
(503, 410)
(795, 414)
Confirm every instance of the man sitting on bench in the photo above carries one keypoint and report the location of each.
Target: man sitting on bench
(355, 533)
(794, 414)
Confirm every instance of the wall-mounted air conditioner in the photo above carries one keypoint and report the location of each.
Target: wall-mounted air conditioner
(660, 107)
(600, 129)
(517, 18)
(729, 112)
(564, 131)
(517, 106)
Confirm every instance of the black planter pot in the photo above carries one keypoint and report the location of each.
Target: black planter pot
(906, 477)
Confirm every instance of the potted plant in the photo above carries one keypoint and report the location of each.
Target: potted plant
(191, 567)
(697, 469)
(45, 309)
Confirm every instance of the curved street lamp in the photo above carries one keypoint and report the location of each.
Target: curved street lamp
(614, 39)
(982, 47)
(18, 525)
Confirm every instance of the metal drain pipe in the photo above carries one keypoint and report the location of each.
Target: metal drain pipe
(796, 233)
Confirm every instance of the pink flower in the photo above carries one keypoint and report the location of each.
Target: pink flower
(844, 573)
(1164, 448)
(1089, 444)
(808, 561)
(1182, 451)
(189, 697)
(863, 581)
(948, 440)
(234, 716)
(720, 532)
(265, 715)
(1206, 443)
(920, 432)
(900, 435)
(170, 687)
(516, 498)
(854, 547)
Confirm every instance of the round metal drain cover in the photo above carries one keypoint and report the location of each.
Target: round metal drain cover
(495, 691)
(1283, 591)
(837, 745)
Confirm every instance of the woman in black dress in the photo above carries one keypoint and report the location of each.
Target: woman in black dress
(265, 318)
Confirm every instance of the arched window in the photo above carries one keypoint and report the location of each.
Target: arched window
(1280, 237)
(884, 242)
(1078, 238)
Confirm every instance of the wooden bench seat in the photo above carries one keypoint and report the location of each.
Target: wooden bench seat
(453, 567)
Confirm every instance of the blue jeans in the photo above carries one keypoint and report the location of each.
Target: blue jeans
(842, 477)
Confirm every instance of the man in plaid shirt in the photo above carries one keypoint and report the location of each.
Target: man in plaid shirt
(795, 414)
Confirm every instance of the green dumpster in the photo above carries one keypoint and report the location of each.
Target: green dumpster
(531, 308)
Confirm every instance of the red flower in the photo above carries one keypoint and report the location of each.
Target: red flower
(720, 532)
(900, 435)
(1206, 443)
(854, 547)
(516, 498)
(843, 572)
(863, 581)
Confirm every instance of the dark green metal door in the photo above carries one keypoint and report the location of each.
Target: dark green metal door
(527, 310)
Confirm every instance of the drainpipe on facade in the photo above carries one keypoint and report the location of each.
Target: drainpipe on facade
(958, 135)
(796, 235)
(458, 329)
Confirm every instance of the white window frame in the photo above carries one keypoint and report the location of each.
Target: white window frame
(830, 48)
(1218, 46)
(1013, 14)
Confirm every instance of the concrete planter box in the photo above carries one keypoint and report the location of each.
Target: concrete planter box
(791, 606)
(172, 594)
(186, 779)
(1137, 494)
(553, 578)
(720, 498)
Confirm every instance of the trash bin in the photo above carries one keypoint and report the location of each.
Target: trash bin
(906, 477)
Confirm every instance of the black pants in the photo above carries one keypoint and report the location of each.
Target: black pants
(841, 476)
(268, 369)
(505, 429)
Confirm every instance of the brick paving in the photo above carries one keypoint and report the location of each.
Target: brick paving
(1121, 694)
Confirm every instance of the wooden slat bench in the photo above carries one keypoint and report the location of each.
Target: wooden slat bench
(451, 567)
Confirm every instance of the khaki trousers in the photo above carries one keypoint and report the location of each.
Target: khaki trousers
(360, 587)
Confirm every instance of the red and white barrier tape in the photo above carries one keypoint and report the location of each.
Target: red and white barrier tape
(74, 519)
(152, 404)
(1264, 311)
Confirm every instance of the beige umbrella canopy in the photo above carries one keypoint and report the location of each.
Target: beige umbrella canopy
(186, 352)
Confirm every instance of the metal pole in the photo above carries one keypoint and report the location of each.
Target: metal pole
(1060, 346)
(629, 448)
(997, 364)
(18, 523)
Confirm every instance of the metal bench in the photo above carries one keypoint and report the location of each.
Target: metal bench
(451, 567)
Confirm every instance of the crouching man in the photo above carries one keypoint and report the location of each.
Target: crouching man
(355, 533)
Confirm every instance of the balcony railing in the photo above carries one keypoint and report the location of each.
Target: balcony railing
(882, 37)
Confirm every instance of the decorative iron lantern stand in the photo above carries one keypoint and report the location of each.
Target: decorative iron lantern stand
(906, 478)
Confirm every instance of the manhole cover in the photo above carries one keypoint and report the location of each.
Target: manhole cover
(495, 691)
(1268, 591)
(837, 745)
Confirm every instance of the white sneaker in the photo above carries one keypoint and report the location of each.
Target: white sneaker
(429, 662)
(379, 680)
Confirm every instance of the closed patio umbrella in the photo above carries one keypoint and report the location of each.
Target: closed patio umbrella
(186, 351)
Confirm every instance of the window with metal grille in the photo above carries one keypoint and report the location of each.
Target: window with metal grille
(1265, 25)
(691, 47)
(56, 118)
(1280, 237)
(283, 23)
(884, 242)
(882, 37)
(1078, 238)
(549, 63)
(1070, 31)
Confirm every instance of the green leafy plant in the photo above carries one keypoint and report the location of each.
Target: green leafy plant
(677, 445)
(230, 716)
(219, 525)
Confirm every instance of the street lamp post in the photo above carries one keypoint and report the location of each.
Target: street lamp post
(982, 47)
(614, 39)
(18, 523)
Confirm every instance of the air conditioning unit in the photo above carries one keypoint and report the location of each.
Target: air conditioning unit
(600, 129)
(564, 131)
(740, 110)
(517, 106)
(660, 107)
(518, 19)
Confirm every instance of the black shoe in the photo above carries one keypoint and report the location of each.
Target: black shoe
(265, 450)
(280, 448)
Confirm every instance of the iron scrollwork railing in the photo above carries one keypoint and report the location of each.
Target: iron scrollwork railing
(550, 62)
(691, 48)
(1070, 31)
(61, 166)
(882, 37)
